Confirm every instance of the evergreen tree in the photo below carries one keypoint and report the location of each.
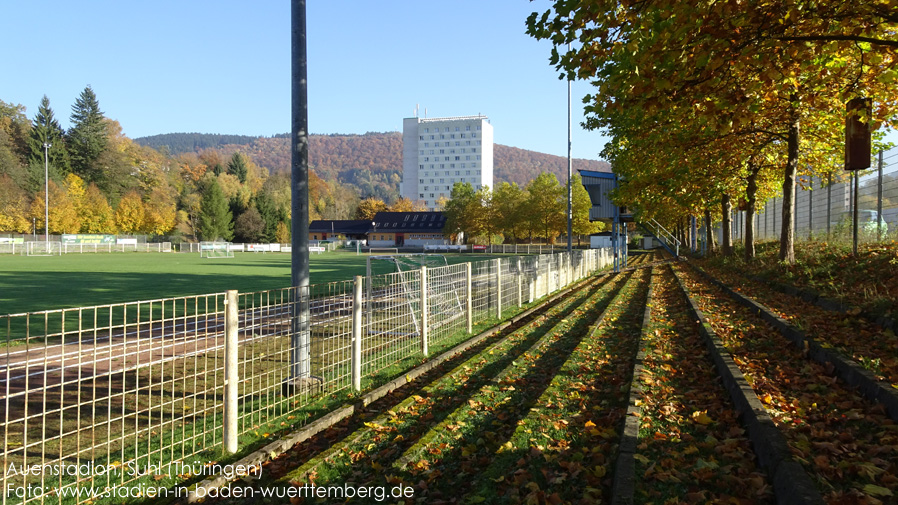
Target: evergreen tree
(216, 220)
(238, 167)
(269, 213)
(45, 128)
(87, 138)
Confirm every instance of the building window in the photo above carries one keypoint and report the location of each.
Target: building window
(462, 135)
(452, 136)
(456, 128)
(421, 137)
(420, 181)
(468, 128)
(473, 135)
(442, 136)
(478, 128)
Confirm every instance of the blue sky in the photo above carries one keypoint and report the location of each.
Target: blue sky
(224, 66)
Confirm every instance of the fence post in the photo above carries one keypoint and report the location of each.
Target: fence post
(424, 349)
(520, 281)
(498, 288)
(829, 204)
(357, 333)
(231, 379)
(469, 305)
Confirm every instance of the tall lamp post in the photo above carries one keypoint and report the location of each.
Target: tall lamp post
(47, 147)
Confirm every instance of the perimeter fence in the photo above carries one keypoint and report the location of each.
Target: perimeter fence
(104, 398)
(824, 208)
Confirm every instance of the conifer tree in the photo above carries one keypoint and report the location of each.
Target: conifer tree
(45, 128)
(216, 220)
(87, 138)
(238, 167)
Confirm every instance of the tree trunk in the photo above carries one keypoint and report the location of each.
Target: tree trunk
(726, 245)
(787, 239)
(752, 195)
(709, 233)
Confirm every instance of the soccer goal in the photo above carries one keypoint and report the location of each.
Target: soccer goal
(38, 248)
(393, 281)
(216, 250)
(383, 250)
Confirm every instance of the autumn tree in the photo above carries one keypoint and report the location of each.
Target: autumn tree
(461, 211)
(722, 71)
(580, 206)
(249, 226)
(129, 214)
(160, 212)
(369, 207)
(63, 214)
(546, 204)
(97, 216)
(14, 144)
(510, 203)
(13, 206)
(406, 205)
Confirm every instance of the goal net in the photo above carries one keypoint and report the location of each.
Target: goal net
(383, 250)
(395, 280)
(216, 250)
(38, 248)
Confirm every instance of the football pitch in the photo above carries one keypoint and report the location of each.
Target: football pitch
(29, 284)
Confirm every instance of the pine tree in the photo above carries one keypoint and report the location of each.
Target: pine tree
(45, 128)
(216, 220)
(238, 168)
(87, 138)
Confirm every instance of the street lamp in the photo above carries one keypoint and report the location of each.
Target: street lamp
(47, 147)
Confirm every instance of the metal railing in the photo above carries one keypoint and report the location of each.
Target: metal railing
(114, 395)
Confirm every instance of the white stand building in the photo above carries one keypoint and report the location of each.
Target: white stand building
(438, 152)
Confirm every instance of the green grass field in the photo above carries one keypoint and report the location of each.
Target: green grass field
(77, 280)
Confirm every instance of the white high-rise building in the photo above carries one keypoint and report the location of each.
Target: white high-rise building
(438, 152)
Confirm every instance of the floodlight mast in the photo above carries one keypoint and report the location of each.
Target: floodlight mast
(47, 147)
(300, 363)
(570, 192)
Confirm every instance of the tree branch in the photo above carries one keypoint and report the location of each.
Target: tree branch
(890, 43)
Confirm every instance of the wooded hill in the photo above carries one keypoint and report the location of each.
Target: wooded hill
(361, 160)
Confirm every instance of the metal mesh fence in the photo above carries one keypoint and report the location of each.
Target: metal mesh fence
(824, 208)
(140, 385)
(121, 387)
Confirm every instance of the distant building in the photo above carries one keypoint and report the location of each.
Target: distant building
(339, 229)
(397, 229)
(438, 152)
(387, 229)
